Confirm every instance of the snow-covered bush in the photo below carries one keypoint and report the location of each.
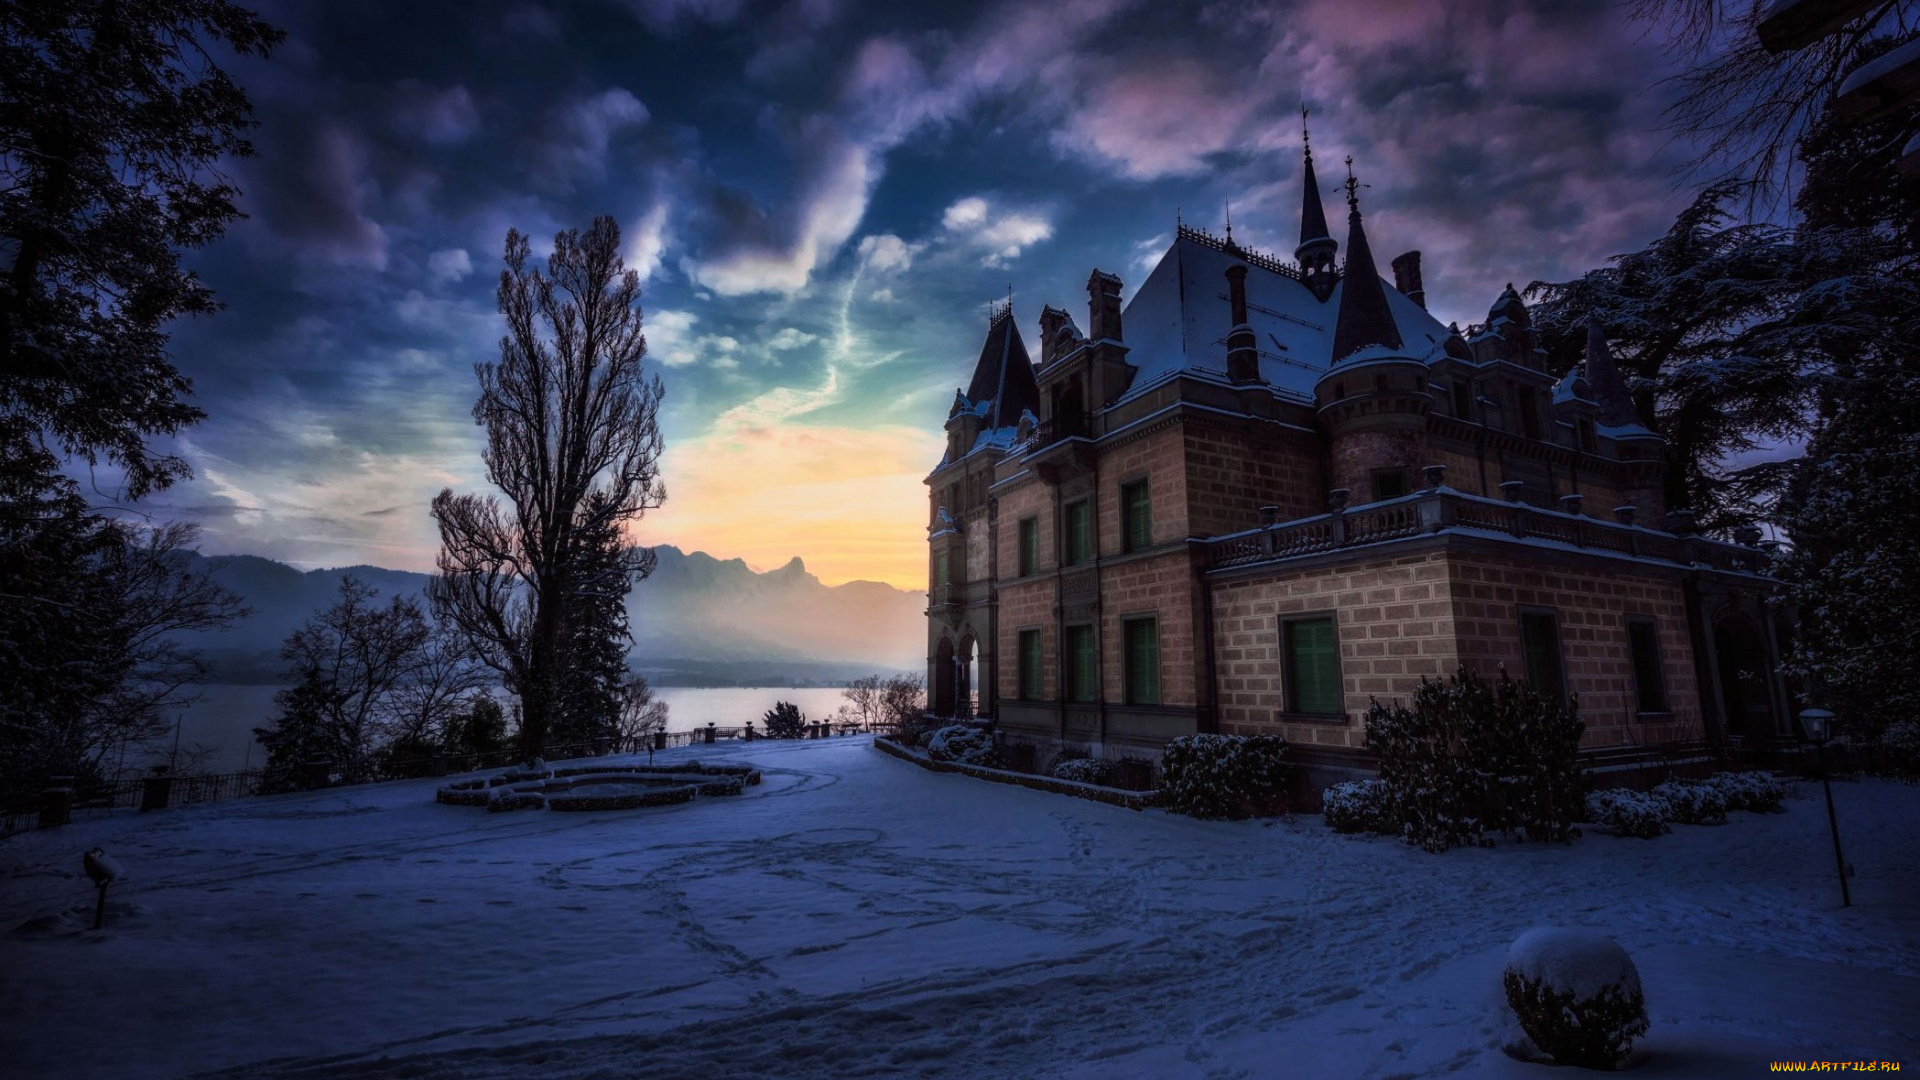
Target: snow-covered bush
(1083, 771)
(1896, 752)
(1626, 812)
(1756, 792)
(1577, 996)
(1358, 806)
(1225, 776)
(1693, 803)
(1473, 757)
(958, 742)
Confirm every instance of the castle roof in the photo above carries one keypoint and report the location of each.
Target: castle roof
(1365, 319)
(1313, 215)
(1003, 384)
(1180, 317)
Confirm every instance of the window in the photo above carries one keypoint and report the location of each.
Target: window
(1587, 442)
(1032, 674)
(1540, 650)
(1389, 484)
(1643, 641)
(1382, 384)
(1313, 666)
(1079, 538)
(1143, 661)
(1083, 667)
(1136, 514)
(940, 570)
(1463, 399)
(1029, 545)
(1528, 403)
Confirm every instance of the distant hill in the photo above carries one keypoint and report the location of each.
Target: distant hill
(697, 620)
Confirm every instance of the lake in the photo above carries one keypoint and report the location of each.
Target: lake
(222, 722)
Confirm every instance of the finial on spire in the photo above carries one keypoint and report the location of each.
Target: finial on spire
(1353, 187)
(1306, 138)
(1229, 205)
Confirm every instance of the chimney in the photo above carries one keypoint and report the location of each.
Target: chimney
(1406, 278)
(1051, 320)
(1243, 353)
(1103, 307)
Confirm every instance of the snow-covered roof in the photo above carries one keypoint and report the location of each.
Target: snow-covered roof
(1180, 317)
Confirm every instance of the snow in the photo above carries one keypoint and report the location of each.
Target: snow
(857, 915)
(1577, 962)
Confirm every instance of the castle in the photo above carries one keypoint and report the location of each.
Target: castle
(1265, 492)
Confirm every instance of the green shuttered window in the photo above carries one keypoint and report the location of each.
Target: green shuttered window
(1079, 533)
(1643, 639)
(1032, 675)
(1143, 661)
(1083, 667)
(1313, 667)
(1136, 510)
(1540, 649)
(1029, 545)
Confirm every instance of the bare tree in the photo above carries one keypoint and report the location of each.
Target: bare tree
(447, 677)
(1749, 106)
(573, 444)
(641, 714)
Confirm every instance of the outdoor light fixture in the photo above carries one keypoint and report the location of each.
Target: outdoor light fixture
(104, 869)
(1818, 724)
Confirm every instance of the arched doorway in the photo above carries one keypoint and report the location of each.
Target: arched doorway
(943, 670)
(1741, 660)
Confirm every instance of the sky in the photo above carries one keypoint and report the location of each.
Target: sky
(823, 197)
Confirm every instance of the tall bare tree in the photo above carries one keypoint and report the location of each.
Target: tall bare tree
(573, 444)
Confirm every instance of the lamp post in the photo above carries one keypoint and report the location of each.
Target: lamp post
(1817, 724)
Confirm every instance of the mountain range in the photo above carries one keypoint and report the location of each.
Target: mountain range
(697, 620)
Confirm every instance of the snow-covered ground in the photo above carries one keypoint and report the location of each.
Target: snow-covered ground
(857, 916)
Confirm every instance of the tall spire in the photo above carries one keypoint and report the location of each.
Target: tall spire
(1604, 379)
(1317, 248)
(1313, 215)
(1364, 316)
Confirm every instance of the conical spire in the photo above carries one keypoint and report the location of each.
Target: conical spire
(1313, 214)
(1004, 373)
(1364, 316)
(1604, 379)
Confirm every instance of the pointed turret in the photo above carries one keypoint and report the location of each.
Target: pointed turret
(1604, 380)
(1003, 377)
(1317, 247)
(1364, 316)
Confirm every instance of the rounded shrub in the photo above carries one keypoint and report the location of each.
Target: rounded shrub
(963, 744)
(1357, 806)
(1692, 803)
(1577, 996)
(1626, 812)
(1755, 792)
(1896, 752)
(1083, 771)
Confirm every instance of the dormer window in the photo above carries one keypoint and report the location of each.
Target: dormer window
(1462, 399)
(1588, 443)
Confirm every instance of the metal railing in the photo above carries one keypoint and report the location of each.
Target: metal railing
(1434, 510)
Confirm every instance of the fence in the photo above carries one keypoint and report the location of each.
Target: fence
(162, 792)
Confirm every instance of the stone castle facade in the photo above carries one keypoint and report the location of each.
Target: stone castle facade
(1262, 493)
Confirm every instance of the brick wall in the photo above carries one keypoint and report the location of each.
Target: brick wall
(1592, 604)
(1230, 477)
(1394, 620)
(1161, 586)
(1027, 606)
(1356, 455)
(1157, 459)
(1035, 500)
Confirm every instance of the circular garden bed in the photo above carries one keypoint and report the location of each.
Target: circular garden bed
(597, 787)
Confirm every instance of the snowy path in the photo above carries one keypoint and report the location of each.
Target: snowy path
(856, 916)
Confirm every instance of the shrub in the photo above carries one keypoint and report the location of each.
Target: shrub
(1472, 757)
(1757, 792)
(1691, 803)
(1577, 996)
(1225, 776)
(1626, 812)
(1084, 771)
(1896, 752)
(1358, 806)
(786, 721)
(958, 742)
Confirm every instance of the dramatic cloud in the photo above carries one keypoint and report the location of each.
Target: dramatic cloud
(450, 265)
(998, 234)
